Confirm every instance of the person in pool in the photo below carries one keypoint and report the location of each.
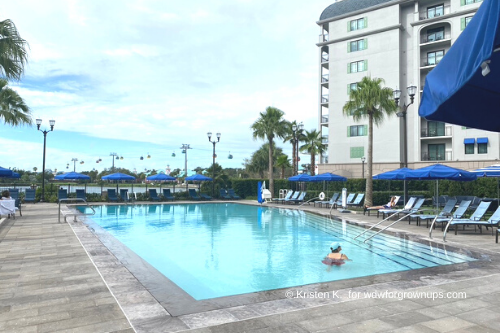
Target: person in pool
(335, 254)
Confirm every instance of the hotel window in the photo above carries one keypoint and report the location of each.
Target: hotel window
(469, 146)
(435, 11)
(433, 58)
(468, 2)
(435, 34)
(436, 152)
(464, 21)
(357, 45)
(357, 130)
(482, 145)
(357, 24)
(357, 152)
(357, 66)
(351, 87)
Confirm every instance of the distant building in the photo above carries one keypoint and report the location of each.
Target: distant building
(401, 42)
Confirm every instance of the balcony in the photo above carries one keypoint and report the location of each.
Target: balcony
(324, 78)
(425, 62)
(325, 57)
(324, 119)
(324, 99)
(324, 140)
(323, 38)
(434, 38)
(431, 133)
(437, 12)
(447, 156)
(323, 160)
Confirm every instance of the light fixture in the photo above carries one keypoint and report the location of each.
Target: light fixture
(485, 69)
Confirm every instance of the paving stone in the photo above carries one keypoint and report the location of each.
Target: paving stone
(447, 324)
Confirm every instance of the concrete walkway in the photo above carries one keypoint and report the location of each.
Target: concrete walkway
(50, 283)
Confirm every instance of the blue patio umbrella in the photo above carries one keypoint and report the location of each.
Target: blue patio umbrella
(72, 176)
(161, 177)
(328, 177)
(490, 171)
(398, 174)
(5, 172)
(464, 88)
(197, 178)
(117, 177)
(14, 175)
(303, 177)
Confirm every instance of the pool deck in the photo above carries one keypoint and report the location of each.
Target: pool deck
(61, 277)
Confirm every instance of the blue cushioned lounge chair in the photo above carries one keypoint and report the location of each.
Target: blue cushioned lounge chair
(193, 194)
(332, 200)
(223, 194)
(167, 195)
(112, 195)
(80, 194)
(232, 194)
(30, 195)
(474, 218)
(124, 194)
(445, 212)
(153, 195)
(62, 194)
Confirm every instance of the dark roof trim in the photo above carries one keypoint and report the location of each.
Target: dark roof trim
(348, 8)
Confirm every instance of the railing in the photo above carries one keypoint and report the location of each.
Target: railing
(324, 119)
(447, 156)
(425, 62)
(325, 57)
(324, 159)
(323, 38)
(431, 38)
(73, 214)
(324, 140)
(424, 15)
(426, 133)
(324, 99)
(324, 78)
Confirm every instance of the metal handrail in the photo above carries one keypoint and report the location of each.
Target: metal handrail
(387, 218)
(388, 226)
(73, 199)
(307, 201)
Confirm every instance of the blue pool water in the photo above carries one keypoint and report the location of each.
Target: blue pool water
(221, 249)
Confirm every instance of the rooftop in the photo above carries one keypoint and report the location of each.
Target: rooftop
(348, 6)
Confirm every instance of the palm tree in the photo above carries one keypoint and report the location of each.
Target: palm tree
(13, 110)
(313, 145)
(13, 55)
(295, 137)
(370, 100)
(283, 162)
(270, 125)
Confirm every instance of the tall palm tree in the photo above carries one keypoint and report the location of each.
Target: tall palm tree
(13, 110)
(295, 137)
(270, 125)
(313, 145)
(283, 162)
(13, 55)
(370, 101)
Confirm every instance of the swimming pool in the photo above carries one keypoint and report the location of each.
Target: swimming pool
(220, 249)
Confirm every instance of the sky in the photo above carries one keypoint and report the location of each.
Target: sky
(140, 78)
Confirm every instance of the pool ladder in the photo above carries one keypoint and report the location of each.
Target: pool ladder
(386, 227)
(72, 213)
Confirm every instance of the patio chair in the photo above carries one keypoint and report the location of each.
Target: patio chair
(124, 194)
(493, 221)
(408, 206)
(205, 196)
(349, 200)
(167, 195)
(153, 195)
(390, 205)
(300, 199)
(193, 194)
(294, 196)
(232, 194)
(475, 217)
(62, 194)
(112, 195)
(223, 194)
(29, 195)
(358, 200)
(8, 207)
(332, 200)
(459, 212)
(80, 194)
(287, 197)
(445, 212)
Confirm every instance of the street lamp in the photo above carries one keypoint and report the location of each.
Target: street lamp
(402, 114)
(209, 134)
(363, 159)
(296, 129)
(38, 123)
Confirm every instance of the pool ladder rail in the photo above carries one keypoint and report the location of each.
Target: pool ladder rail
(407, 213)
(69, 212)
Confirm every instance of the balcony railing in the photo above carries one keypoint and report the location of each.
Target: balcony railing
(325, 57)
(324, 140)
(447, 156)
(324, 99)
(425, 62)
(434, 38)
(426, 133)
(324, 119)
(323, 38)
(424, 15)
(324, 159)
(324, 78)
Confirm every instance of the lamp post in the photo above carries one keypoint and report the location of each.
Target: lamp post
(402, 114)
(209, 134)
(114, 155)
(363, 159)
(296, 129)
(38, 123)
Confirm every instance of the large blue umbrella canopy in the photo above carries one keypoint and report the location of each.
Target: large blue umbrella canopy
(398, 174)
(198, 178)
(464, 88)
(304, 177)
(118, 176)
(328, 177)
(72, 176)
(14, 175)
(440, 171)
(491, 171)
(5, 172)
(161, 177)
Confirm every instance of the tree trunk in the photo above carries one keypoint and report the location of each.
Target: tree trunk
(271, 180)
(294, 161)
(282, 172)
(369, 179)
(313, 163)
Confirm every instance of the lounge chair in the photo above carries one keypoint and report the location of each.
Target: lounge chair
(332, 200)
(112, 195)
(407, 207)
(358, 200)
(153, 195)
(205, 196)
(167, 195)
(193, 194)
(349, 199)
(445, 212)
(223, 194)
(475, 217)
(294, 196)
(62, 194)
(493, 221)
(233, 195)
(300, 199)
(408, 212)
(80, 194)
(390, 205)
(14, 194)
(459, 212)
(124, 194)
(287, 197)
(30, 195)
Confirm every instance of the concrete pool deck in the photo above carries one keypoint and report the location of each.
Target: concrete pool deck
(61, 277)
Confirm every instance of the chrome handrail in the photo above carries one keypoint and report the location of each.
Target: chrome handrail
(73, 199)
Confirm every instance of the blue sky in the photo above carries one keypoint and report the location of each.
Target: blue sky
(144, 77)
